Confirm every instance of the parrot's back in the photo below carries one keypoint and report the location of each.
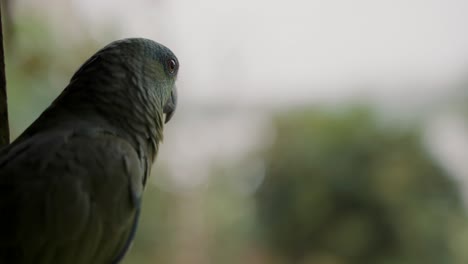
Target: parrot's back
(69, 196)
(71, 184)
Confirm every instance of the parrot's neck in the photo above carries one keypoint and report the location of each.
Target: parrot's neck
(130, 115)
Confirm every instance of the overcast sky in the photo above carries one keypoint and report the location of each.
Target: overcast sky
(257, 51)
(252, 50)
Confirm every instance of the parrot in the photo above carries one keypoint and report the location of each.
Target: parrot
(71, 184)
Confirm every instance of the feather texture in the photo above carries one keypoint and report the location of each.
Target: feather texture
(71, 185)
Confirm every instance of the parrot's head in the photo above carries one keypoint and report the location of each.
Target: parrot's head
(140, 71)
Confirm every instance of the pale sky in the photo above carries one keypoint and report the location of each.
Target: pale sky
(254, 50)
(262, 51)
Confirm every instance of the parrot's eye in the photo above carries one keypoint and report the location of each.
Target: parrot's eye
(172, 65)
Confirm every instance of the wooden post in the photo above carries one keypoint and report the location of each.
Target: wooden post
(4, 127)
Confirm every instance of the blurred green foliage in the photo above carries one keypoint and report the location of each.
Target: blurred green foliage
(342, 187)
(39, 64)
(154, 238)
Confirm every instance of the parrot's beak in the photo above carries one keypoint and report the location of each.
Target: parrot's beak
(170, 106)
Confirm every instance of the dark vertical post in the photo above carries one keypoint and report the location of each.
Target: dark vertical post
(4, 127)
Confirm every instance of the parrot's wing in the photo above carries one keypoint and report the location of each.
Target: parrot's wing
(69, 197)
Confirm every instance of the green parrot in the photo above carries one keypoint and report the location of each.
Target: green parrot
(71, 185)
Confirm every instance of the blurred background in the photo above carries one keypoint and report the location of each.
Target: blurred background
(307, 132)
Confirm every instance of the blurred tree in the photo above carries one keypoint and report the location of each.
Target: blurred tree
(341, 187)
(7, 19)
(153, 241)
(40, 63)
